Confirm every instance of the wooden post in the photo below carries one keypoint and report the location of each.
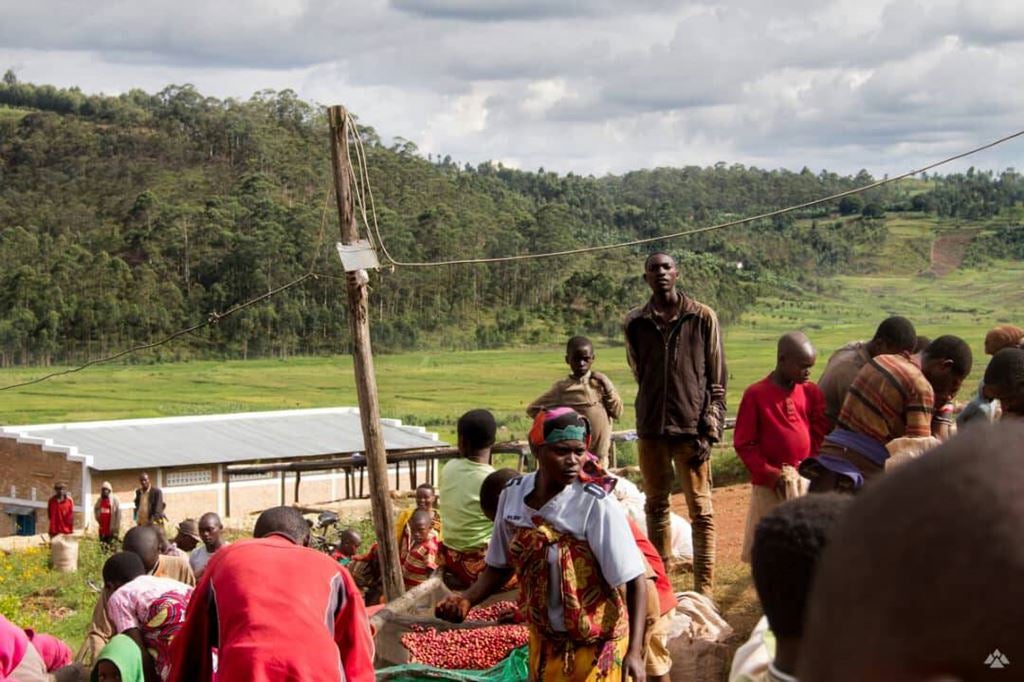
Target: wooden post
(366, 381)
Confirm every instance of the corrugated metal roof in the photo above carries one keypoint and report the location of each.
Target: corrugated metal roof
(212, 439)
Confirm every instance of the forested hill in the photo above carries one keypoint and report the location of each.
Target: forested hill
(123, 219)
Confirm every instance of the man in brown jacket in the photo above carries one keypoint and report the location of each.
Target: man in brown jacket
(674, 347)
(141, 540)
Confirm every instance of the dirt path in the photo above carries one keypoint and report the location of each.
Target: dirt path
(948, 252)
(734, 591)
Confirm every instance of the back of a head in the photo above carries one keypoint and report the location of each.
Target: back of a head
(1006, 369)
(122, 568)
(143, 541)
(897, 333)
(1002, 336)
(921, 579)
(287, 521)
(951, 348)
(477, 429)
(490, 490)
(788, 543)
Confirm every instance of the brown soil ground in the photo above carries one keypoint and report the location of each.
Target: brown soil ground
(948, 252)
(734, 591)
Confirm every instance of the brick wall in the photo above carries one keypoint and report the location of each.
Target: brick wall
(27, 476)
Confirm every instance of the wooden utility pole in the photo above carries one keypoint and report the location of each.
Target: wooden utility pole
(366, 381)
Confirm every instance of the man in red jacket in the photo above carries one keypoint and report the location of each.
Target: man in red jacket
(781, 422)
(272, 609)
(61, 510)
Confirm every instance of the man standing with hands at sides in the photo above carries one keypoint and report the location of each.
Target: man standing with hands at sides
(149, 503)
(108, 514)
(674, 346)
(61, 510)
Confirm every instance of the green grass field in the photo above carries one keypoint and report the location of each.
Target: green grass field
(434, 388)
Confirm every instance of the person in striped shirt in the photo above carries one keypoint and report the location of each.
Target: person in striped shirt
(894, 397)
(419, 549)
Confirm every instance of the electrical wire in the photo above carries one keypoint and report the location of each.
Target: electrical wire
(664, 237)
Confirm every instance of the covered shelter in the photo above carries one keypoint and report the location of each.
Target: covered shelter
(233, 464)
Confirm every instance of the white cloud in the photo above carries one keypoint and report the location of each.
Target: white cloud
(595, 87)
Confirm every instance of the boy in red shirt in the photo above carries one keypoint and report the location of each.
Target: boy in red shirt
(780, 423)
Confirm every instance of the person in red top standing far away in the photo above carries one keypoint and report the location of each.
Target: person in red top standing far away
(61, 510)
(108, 514)
(271, 609)
(781, 422)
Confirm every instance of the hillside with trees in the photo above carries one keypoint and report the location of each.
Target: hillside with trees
(125, 218)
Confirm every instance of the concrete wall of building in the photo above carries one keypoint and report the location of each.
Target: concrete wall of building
(27, 476)
(25, 468)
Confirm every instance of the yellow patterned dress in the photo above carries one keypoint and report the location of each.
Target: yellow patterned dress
(596, 636)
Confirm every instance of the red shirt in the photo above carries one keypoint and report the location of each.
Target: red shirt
(272, 610)
(62, 515)
(666, 596)
(105, 517)
(776, 426)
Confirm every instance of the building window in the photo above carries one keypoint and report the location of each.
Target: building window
(187, 477)
(252, 477)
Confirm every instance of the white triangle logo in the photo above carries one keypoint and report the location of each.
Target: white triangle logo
(997, 660)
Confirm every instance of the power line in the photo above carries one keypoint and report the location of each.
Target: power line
(211, 319)
(648, 240)
(364, 191)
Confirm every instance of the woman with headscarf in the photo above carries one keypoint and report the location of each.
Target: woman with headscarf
(107, 511)
(120, 661)
(19, 660)
(581, 575)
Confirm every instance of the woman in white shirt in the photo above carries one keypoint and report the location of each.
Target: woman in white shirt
(570, 546)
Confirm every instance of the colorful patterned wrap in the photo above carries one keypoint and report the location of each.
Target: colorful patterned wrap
(163, 621)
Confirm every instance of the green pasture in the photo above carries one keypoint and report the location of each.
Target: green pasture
(433, 389)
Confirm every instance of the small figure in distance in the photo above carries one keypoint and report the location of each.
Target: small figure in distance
(349, 543)
(61, 510)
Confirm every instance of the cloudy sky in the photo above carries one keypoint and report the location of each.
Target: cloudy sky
(574, 85)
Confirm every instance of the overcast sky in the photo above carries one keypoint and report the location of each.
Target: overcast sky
(591, 87)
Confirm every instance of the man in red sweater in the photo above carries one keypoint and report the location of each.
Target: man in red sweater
(781, 422)
(272, 609)
(61, 510)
